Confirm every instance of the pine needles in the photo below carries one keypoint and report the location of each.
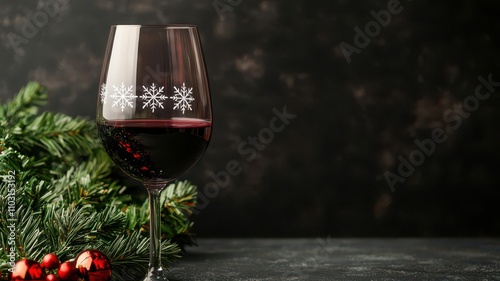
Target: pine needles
(58, 196)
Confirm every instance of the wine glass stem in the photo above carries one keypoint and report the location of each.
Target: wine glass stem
(155, 267)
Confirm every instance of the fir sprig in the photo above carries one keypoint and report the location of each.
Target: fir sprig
(178, 202)
(130, 262)
(56, 133)
(25, 103)
(59, 194)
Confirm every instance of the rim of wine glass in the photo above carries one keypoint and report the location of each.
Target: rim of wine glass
(166, 26)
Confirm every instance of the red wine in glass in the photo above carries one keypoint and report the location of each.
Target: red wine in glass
(140, 147)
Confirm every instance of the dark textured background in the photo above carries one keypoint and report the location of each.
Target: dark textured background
(324, 173)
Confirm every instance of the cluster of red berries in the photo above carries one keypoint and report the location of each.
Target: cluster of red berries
(90, 262)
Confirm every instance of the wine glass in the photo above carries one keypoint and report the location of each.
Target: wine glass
(154, 114)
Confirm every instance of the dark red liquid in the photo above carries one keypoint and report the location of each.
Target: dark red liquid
(155, 150)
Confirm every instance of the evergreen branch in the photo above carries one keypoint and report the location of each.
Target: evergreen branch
(48, 223)
(11, 160)
(87, 184)
(34, 193)
(30, 237)
(108, 223)
(73, 225)
(178, 200)
(57, 134)
(137, 217)
(129, 256)
(25, 103)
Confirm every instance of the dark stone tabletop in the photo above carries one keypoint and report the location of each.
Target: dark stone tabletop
(340, 259)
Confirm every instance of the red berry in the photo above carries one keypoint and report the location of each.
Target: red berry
(67, 271)
(50, 262)
(51, 277)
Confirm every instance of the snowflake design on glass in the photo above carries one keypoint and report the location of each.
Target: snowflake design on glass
(153, 96)
(183, 98)
(123, 96)
(104, 93)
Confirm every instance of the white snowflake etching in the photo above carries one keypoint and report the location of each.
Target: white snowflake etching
(104, 93)
(153, 97)
(183, 98)
(123, 96)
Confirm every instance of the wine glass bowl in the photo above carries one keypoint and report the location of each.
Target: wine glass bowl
(154, 114)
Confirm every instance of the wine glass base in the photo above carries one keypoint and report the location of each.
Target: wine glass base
(155, 275)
